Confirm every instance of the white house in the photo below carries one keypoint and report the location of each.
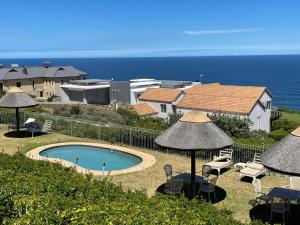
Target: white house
(252, 102)
(163, 100)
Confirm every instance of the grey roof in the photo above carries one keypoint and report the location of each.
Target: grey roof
(16, 98)
(284, 156)
(194, 136)
(90, 81)
(38, 72)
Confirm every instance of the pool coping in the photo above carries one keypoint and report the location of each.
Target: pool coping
(147, 159)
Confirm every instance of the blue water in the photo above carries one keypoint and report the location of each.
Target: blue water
(281, 74)
(93, 157)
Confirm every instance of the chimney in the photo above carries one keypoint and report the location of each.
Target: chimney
(25, 70)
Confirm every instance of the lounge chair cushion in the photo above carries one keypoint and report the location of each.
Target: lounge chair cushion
(251, 172)
(221, 158)
(214, 164)
(255, 166)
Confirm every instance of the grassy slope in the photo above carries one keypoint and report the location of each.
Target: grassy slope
(291, 116)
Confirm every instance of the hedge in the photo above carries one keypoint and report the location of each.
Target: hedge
(36, 192)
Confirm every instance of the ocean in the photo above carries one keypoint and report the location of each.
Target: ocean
(280, 74)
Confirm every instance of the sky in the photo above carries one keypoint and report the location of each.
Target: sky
(143, 28)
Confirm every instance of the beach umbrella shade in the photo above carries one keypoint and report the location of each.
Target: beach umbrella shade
(194, 132)
(17, 98)
(284, 156)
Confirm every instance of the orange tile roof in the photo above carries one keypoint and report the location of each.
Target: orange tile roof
(144, 109)
(221, 98)
(227, 90)
(167, 95)
(217, 103)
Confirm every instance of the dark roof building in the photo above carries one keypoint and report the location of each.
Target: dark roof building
(39, 72)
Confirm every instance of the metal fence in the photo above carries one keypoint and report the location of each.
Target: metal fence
(120, 134)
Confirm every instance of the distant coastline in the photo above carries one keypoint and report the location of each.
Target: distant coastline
(280, 73)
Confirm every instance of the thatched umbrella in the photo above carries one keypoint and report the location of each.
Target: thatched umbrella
(284, 156)
(194, 131)
(17, 98)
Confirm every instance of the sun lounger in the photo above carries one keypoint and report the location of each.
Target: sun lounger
(46, 128)
(224, 160)
(253, 169)
(28, 123)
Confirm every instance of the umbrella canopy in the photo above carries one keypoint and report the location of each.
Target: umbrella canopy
(194, 131)
(17, 98)
(284, 156)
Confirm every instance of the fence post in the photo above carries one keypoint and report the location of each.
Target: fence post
(71, 128)
(99, 136)
(130, 137)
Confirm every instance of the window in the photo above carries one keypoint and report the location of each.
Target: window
(163, 108)
(33, 84)
(1, 87)
(268, 105)
(41, 94)
(62, 82)
(18, 84)
(174, 109)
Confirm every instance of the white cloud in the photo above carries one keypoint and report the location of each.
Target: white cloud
(221, 31)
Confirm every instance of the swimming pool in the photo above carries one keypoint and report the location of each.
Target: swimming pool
(88, 158)
(93, 158)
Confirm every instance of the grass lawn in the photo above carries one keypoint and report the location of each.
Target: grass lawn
(294, 117)
(237, 196)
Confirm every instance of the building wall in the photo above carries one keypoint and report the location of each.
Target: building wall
(97, 96)
(157, 106)
(261, 116)
(36, 86)
(120, 91)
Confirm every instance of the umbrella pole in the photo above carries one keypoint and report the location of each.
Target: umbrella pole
(193, 174)
(17, 119)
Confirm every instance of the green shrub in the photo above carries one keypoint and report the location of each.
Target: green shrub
(36, 192)
(51, 98)
(233, 125)
(2, 93)
(278, 134)
(284, 124)
(173, 118)
(75, 110)
(259, 135)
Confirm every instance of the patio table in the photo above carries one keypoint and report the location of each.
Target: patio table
(288, 194)
(186, 178)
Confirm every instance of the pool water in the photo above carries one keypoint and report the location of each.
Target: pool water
(92, 158)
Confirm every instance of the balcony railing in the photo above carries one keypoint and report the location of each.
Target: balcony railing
(275, 114)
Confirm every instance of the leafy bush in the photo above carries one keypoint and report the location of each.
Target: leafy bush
(174, 117)
(233, 125)
(75, 110)
(284, 124)
(2, 93)
(133, 119)
(259, 135)
(36, 192)
(51, 98)
(278, 134)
